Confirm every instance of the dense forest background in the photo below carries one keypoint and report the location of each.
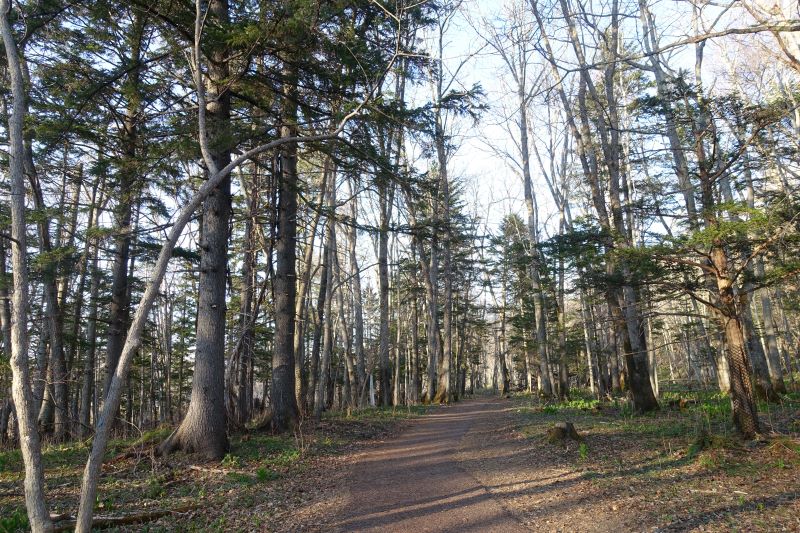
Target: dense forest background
(237, 214)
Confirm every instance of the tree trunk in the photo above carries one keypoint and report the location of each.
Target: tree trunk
(301, 305)
(204, 428)
(5, 326)
(284, 405)
(398, 396)
(316, 345)
(87, 376)
(246, 318)
(763, 382)
(358, 306)
(745, 415)
(30, 446)
(413, 393)
(351, 375)
(770, 331)
(384, 365)
(126, 195)
(327, 315)
(623, 305)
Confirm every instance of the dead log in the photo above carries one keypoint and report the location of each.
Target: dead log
(67, 522)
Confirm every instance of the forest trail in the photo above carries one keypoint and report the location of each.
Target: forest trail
(414, 482)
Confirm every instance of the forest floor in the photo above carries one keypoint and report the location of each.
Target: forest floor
(265, 483)
(680, 469)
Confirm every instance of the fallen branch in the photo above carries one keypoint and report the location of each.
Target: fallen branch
(67, 522)
(211, 470)
(224, 471)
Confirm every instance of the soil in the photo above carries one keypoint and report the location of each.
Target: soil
(484, 464)
(488, 465)
(631, 473)
(415, 482)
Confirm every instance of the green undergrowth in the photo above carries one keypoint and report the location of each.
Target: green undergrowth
(693, 426)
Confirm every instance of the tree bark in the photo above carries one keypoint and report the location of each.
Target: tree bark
(284, 405)
(327, 315)
(303, 290)
(30, 446)
(126, 195)
(316, 344)
(384, 365)
(358, 306)
(204, 428)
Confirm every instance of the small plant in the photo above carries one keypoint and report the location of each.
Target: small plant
(238, 477)
(231, 461)
(264, 474)
(626, 409)
(155, 489)
(708, 460)
(286, 457)
(583, 451)
(107, 504)
(581, 404)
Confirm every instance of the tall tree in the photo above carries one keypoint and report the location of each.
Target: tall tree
(204, 428)
(30, 446)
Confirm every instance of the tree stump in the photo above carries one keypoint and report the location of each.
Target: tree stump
(563, 431)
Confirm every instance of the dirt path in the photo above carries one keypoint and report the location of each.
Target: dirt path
(415, 483)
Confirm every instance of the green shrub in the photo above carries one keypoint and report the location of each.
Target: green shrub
(583, 451)
(16, 521)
